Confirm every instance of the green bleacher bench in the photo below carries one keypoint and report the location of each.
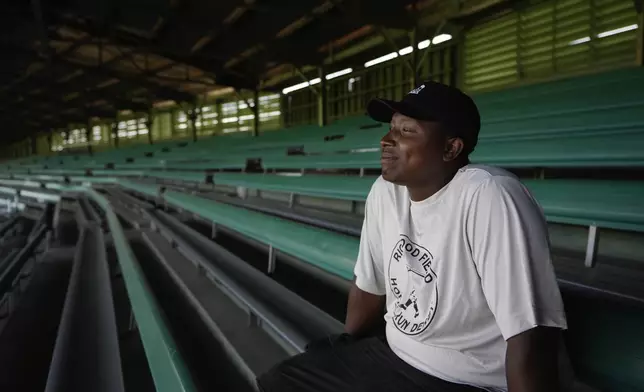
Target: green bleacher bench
(354, 122)
(572, 101)
(167, 366)
(579, 150)
(609, 204)
(617, 149)
(177, 176)
(118, 173)
(363, 160)
(334, 187)
(354, 140)
(334, 253)
(238, 163)
(602, 82)
(602, 203)
(589, 121)
(604, 336)
(626, 119)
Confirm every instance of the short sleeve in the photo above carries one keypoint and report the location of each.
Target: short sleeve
(369, 266)
(509, 242)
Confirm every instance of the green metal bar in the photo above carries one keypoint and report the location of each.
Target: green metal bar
(169, 371)
(40, 196)
(334, 253)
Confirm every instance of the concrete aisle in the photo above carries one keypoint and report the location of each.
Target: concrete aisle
(27, 341)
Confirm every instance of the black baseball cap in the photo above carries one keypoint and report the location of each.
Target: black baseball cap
(432, 101)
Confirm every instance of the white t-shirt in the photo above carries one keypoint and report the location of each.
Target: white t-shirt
(463, 271)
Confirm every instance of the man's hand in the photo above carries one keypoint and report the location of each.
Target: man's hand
(531, 361)
(364, 312)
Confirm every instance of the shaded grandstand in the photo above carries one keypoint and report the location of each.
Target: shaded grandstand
(182, 196)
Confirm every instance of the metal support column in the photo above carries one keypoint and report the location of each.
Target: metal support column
(272, 259)
(115, 132)
(88, 137)
(322, 99)
(193, 122)
(50, 142)
(256, 112)
(284, 109)
(591, 246)
(34, 145)
(219, 115)
(172, 123)
(427, 50)
(149, 123)
(413, 35)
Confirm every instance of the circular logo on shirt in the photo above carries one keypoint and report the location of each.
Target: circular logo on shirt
(413, 283)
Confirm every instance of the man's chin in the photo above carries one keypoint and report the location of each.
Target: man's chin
(390, 176)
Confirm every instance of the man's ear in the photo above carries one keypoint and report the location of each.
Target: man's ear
(453, 148)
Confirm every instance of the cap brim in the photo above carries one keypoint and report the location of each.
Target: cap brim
(382, 110)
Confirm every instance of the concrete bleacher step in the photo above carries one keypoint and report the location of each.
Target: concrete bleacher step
(136, 371)
(295, 320)
(226, 321)
(199, 353)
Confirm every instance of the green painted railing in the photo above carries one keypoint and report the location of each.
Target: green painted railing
(331, 252)
(604, 203)
(167, 367)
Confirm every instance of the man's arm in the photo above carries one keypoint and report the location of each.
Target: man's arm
(366, 305)
(509, 241)
(531, 361)
(364, 312)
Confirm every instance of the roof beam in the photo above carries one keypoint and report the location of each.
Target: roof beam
(221, 75)
(55, 97)
(151, 86)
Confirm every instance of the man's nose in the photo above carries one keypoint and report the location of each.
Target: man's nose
(388, 140)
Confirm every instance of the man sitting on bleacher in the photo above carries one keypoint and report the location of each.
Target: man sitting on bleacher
(457, 254)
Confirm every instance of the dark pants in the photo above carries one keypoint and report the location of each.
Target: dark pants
(345, 364)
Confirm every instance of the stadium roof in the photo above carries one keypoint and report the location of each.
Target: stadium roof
(66, 61)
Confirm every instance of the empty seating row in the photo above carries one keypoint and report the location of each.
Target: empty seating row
(609, 204)
(593, 83)
(603, 339)
(332, 252)
(598, 138)
(167, 366)
(583, 116)
(621, 148)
